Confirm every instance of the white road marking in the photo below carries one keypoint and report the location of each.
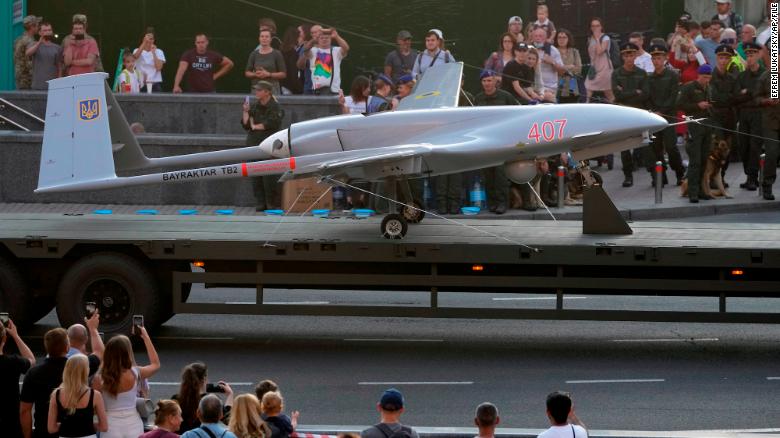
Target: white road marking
(390, 340)
(282, 302)
(179, 383)
(773, 378)
(617, 381)
(536, 298)
(668, 340)
(415, 383)
(196, 338)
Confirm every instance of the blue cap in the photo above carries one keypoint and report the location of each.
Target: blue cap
(392, 400)
(487, 73)
(705, 69)
(405, 79)
(383, 77)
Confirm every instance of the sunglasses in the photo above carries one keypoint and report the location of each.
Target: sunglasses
(728, 41)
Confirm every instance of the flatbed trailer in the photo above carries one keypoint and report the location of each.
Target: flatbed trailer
(142, 264)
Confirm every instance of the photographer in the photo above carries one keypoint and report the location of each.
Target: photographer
(80, 53)
(11, 368)
(194, 385)
(150, 60)
(325, 61)
(46, 58)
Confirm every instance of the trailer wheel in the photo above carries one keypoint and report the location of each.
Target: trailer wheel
(120, 285)
(14, 296)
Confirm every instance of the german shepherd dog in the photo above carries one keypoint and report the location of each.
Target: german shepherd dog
(716, 159)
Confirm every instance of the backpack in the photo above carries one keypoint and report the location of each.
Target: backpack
(403, 432)
(614, 52)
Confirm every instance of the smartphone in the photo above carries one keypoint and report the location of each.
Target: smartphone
(90, 308)
(213, 387)
(246, 100)
(4, 318)
(138, 321)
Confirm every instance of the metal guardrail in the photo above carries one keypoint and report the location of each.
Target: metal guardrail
(5, 104)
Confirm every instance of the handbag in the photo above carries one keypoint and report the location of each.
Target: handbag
(143, 405)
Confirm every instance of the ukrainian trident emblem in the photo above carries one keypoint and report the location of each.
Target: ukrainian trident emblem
(89, 109)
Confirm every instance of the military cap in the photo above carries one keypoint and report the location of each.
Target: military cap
(724, 49)
(405, 79)
(705, 69)
(658, 49)
(31, 19)
(263, 85)
(751, 47)
(628, 47)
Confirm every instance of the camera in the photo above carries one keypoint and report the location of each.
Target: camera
(90, 308)
(213, 387)
(4, 319)
(138, 321)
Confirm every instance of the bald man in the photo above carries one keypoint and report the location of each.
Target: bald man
(78, 336)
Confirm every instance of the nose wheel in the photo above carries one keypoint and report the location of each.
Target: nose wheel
(412, 215)
(394, 226)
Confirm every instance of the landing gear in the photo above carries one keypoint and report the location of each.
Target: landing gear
(412, 215)
(394, 226)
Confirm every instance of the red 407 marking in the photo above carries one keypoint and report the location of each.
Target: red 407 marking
(548, 131)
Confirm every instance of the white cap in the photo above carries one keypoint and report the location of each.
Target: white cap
(515, 18)
(438, 33)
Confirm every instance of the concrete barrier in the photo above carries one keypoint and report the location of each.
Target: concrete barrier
(191, 113)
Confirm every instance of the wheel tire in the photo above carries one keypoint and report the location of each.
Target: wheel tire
(121, 285)
(598, 180)
(14, 295)
(411, 215)
(394, 226)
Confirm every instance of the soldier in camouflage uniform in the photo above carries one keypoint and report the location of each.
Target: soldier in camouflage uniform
(750, 115)
(723, 93)
(693, 100)
(22, 62)
(771, 124)
(631, 88)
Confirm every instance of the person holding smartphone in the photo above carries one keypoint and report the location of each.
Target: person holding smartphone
(12, 366)
(46, 58)
(118, 383)
(79, 336)
(194, 386)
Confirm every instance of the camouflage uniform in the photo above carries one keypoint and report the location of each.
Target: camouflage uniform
(625, 85)
(698, 147)
(22, 62)
(771, 125)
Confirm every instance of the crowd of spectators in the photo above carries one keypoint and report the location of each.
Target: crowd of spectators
(536, 64)
(75, 393)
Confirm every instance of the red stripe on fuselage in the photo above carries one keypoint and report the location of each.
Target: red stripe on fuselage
(292, 163)
(243, 169)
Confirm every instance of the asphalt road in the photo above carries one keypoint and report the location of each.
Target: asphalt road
(626, 376)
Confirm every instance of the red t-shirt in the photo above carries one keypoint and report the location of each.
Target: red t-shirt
(200, 70)
(81, 49)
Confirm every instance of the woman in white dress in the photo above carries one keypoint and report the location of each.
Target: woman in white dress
(118, 380)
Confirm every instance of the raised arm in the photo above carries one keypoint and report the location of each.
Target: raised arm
(154, 365)
(24, 350)
(94, 336)
(342, 43)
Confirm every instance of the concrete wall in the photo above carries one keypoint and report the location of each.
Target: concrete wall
(191, 113)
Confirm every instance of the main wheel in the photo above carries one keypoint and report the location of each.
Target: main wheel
(394, 226)
(120, 285)
(14, 296)
(412, 215)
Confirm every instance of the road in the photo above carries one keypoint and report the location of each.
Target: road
(627, 376)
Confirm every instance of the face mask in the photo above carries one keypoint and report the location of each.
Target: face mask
(79, 37)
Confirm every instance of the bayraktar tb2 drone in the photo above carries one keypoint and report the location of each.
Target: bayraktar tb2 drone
(87, 141)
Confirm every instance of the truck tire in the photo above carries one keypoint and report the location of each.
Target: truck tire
(120, 285)
(14, 296)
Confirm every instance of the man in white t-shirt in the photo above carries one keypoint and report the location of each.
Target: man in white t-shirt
(325, 61)
(551, 64)
(643, 59)
(565, 423)
(149, 60)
